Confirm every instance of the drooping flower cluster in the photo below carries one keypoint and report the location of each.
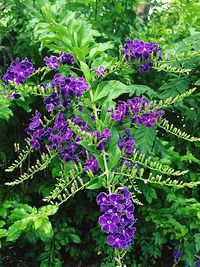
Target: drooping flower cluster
(18, 71)
(36, 130)
(63, 58)
(100, 71)
(62, 139)
(126, 143)
(118, 219)
(65, 88)
(142, 52)
(136, 110)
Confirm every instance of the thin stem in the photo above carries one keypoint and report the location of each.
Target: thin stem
(106, 171)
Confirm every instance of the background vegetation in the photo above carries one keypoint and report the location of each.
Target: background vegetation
(32, 235)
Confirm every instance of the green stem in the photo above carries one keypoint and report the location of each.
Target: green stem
(106, 171)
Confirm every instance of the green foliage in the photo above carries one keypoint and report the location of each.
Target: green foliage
(165, 194)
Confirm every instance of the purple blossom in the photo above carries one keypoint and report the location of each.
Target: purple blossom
(118, 218)
(117, 240)
(65, 58)
(143, 53)
(102, 138)
(102, 198)
(135, 109)
(126, 143)
(36, 130)
(197, 263)
(52, 101)
(177, 254)
(109, 222)
(100, 71)
(91, 164)
(52, 62)
(18, 71)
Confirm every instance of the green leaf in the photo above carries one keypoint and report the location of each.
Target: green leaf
(95, 184)
(99, 48)
(79, 53)
(85, 69)
(112, 89)
(3, 232)
(100, 161)
(197, 82)
(75, 238)
(197, 242)
(145, 137)
(2, 223)
(114, 156)
(3, 212)
(48, 210)
(14, 231)
(37, 223)
(115, 138)
(45, 231)
(5, 111)
(88, 146)
(140, 90)
(149, 193)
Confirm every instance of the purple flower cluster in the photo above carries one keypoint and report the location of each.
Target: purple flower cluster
(118, 219)
(36, 130)
(100, 71)
(142, 52)
(102, 138)
(91, 164)
(197, 263)
(177, 254)
(64, 58)
(62, 139)
(18, 71)
(126, 143)
(135, 109)
(65, 87)
(59, 137)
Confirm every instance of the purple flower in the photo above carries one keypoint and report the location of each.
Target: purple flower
(109, 222)
(126, 143)
(65, 58)
(118, 218)
(52, 101)
(117, 240)
(91, 164)
(136, 110)
(177, 254)
(52, 62)
(102, 138)
(102, 198)
(100, 71)
(18, 71)
(36, 130)
(143, 53)
(197, 263)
